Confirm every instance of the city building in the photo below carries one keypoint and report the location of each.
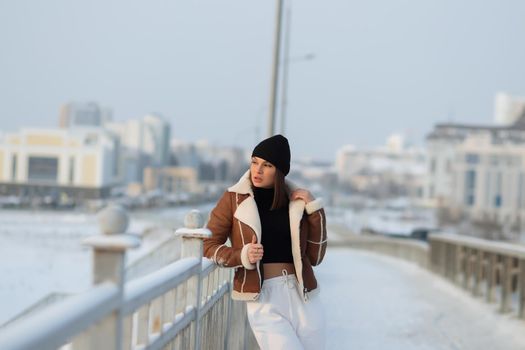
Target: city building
(214, 163)
(489, 177)
(393, 170)
(79, 163)
(172, 180)
(508, 109)
(75, 114)
(145, 143)
(317, 176)
(478, 170)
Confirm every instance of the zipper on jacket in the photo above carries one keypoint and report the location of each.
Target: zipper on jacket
(305, 294)
(259, 273)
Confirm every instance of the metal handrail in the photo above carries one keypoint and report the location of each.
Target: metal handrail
(144, 289)
(508, 249)
(59, 322)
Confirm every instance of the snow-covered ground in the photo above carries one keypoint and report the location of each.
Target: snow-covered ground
(377, 302)
(41, 252)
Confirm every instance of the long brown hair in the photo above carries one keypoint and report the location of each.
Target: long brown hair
(280, 191)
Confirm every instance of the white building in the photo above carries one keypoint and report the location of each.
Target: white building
(75, 114)
(320, 177)
(383, 170)
(508, 109)
(396, 143)
(441, 153)
(80, 162)
(489, 177)
(145, 143)
(214, 163)
(478, 169)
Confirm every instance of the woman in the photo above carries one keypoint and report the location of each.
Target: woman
(277, 234)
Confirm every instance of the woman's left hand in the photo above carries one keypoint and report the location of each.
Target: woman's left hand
(305, 195)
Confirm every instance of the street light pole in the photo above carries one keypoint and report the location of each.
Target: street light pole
(286, 67)
(286, 62)
(275, 75)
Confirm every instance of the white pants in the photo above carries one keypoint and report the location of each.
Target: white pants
(280, 319)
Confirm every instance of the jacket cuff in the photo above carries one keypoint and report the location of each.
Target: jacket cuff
(314, 205)
(244, 258)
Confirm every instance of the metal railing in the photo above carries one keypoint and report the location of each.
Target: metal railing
(185, 305)
(488, 269)
(410, 250)
(483, 267)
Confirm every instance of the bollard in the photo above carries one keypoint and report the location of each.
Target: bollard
(192, 236)
(109, 251)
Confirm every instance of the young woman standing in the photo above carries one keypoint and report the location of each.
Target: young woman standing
(277, 233)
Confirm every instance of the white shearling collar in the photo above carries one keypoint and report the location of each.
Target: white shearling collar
(244, 185)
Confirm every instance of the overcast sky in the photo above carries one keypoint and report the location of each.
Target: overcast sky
(380, 66)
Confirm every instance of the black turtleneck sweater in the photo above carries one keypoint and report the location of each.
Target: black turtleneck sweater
(275, 224)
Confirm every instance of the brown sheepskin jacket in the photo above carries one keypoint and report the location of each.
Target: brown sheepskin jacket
(235, 217)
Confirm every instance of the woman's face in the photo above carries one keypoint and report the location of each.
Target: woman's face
(262, 173)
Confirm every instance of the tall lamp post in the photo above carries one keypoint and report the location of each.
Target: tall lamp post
(285, 75)
(286, 60)
(275, 74)
(284, 92)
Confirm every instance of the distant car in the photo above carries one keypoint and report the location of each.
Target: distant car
(422, 233)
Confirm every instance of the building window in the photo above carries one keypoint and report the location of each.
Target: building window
(487, 189)
(43, 169)
(498, 200)
(521, 180)
(470, 187)
(71, 170)
(433, 166)
(472, 158)
(13, 168)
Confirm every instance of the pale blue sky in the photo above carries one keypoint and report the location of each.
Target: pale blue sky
(381, 65)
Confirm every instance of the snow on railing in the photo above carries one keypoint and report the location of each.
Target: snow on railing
(474, 263)
(185, 305)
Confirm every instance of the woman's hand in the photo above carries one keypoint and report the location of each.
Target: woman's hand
(255, 251)
(304, 195)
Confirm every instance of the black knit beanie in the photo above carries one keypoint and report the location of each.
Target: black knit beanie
(275, 150)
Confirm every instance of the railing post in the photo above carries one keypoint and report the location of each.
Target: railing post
(521, 302)
(492, 270)
(478, 272)
(192, 236)
(109, 250)
(457, 264)
(506, 284)
(229, 313)
(448, 261)
(468, 268)
(432, 254)
(443, 258)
